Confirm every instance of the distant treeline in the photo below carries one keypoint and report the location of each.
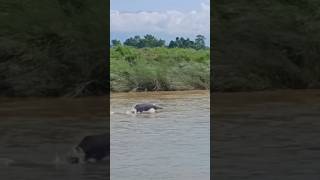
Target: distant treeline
(151, 42)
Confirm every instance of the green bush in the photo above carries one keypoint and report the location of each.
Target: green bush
(262, 45)
(155, 69)
(53, 47)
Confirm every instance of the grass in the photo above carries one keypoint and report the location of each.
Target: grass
(261, 45)
(158, 69)
(53, 48)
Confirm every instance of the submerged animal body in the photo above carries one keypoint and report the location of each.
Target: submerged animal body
(93, 148)
(150, 108)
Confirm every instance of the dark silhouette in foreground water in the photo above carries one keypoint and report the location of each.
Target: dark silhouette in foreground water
(91, 149)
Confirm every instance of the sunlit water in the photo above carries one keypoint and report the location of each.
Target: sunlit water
(172, 144)
(270, 135)
(37, 134)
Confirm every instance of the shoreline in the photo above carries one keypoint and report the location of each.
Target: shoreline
(213, 92)
(155, 92)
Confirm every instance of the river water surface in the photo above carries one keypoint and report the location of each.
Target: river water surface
(172, 144)
(272, 135)
(37, 134)
(258, 135)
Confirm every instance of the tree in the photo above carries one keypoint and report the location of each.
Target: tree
(116, 42)
(147, 41)
(172, 44)
(135, 42)
(151, 41)
(200, 42)
(181, 42)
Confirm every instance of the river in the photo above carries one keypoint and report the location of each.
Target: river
(36, 134)
(256, 135)
(172, 144)
(266, 135)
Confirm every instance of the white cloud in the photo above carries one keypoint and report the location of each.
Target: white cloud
(171, 22)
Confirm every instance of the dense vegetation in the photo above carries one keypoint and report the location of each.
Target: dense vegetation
(158, 69)
(265, 44)
(58, 47)
(53, 47)
(149, 41)
(198, 43)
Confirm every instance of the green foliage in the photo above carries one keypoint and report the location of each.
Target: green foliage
(158, 69)
(266, 44)
(180, 42)
(151, 41)
(116, 42)
(52, 47)
(199, 42)
(147, 41)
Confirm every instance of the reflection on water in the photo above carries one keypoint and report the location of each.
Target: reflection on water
(171, 144)
(266, 135)
(37, 134)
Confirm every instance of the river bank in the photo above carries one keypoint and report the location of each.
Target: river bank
(41, 58)
(258, 51)
(154, 69)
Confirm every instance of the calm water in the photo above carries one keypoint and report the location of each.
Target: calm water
(271, 135)
(37, 134)
(173, 144)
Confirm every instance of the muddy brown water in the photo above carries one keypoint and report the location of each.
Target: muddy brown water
(173, 144)
(258, 135)
(273, 135)
(36, 134)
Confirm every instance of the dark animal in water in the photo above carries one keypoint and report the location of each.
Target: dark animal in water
(139, 108)
(94, 147)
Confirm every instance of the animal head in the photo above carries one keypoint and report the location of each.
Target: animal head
(77, 155)
(133, 111)
(157, 107)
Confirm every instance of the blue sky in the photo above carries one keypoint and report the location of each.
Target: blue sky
(155, 5)
(165, 19)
